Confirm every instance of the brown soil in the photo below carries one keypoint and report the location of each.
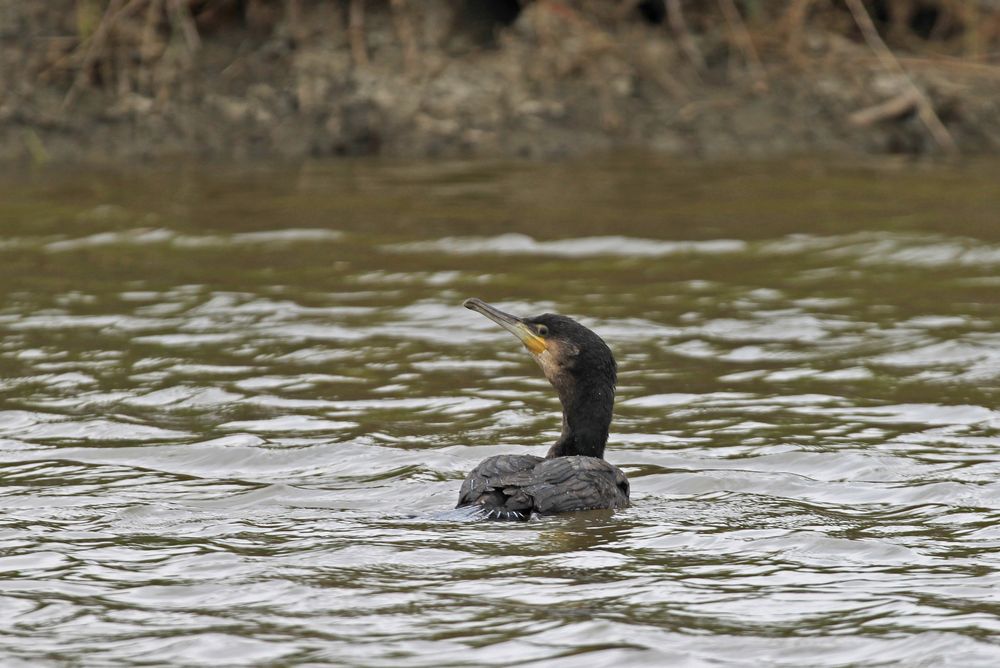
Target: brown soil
(84, 80)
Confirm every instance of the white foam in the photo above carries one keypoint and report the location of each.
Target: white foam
(522, 244)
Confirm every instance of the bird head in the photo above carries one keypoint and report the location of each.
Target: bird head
(570, 355)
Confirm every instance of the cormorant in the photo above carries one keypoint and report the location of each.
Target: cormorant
(573, 475)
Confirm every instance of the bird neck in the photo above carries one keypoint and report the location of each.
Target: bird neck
(586, 419)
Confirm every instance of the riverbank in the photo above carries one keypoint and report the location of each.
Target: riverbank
(145, 80)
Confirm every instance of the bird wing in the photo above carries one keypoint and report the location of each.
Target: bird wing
(568, 484)
(485, 484)
(514, 486)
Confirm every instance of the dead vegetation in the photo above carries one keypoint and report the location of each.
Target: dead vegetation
(353, 66)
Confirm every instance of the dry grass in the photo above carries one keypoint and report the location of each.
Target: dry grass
(120, 44)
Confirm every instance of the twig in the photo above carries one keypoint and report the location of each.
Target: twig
(902, 104)
(356, 31)
(675, 17)
(925, 109)
(961, 64)
(742, 37)
(94, 44)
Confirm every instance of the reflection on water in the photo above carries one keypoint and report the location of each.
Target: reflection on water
(233, 404)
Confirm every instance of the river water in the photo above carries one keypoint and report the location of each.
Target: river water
(233, 402)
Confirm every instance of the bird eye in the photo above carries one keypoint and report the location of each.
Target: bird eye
(543, 330)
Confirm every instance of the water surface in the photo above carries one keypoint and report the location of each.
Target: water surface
(231, 403)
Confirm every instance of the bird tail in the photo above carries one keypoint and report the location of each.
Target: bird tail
(478, 511)
(506, 515)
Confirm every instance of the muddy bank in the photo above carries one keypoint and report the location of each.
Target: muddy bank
(235, 80)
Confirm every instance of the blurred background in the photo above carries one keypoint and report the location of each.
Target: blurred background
(238, 388)
(239, 79)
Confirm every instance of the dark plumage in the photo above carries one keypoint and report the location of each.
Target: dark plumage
(573, 475)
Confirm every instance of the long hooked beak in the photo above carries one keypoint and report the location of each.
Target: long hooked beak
(516, 326)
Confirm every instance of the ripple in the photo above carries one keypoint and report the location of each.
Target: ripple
(289, 423)
(46, 427)
(151, 236)
(225, 441)
(520, 244)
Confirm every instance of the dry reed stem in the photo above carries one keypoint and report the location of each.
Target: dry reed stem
(182, 14)
(146, 48)
(356, 32)
(742, 38)
(294, 13)
(407, 35)
(793, 22)
(675, 17)
(925, 109)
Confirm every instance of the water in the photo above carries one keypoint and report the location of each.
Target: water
(231, 403)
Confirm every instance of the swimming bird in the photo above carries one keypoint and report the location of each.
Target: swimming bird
(573, 475)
